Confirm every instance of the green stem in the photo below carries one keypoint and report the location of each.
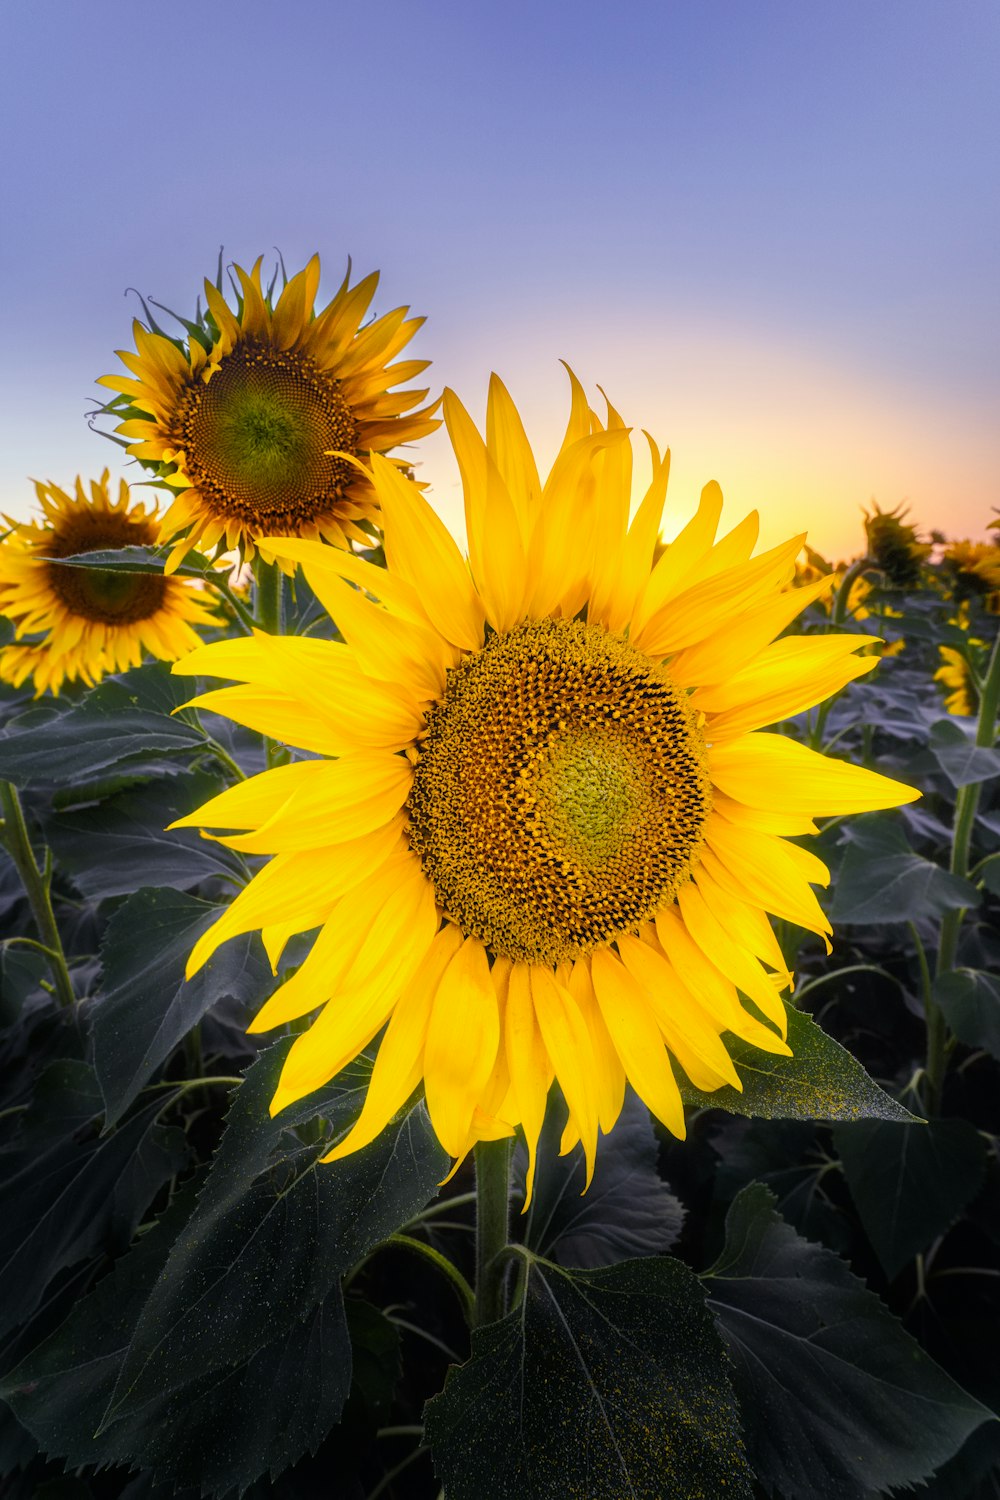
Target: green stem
(268, 600)
(461, 1286)
(268, 604)
(239, 609)
(966, 807)
(838, 616)
(492, 1226)
(36, 882)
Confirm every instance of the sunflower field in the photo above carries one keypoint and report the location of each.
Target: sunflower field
(509, 1019)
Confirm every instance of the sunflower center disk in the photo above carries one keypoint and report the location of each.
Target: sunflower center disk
(107, 598)
(257, 437)
(561, 793)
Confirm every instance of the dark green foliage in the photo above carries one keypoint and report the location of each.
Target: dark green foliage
(66, 1191)
(147, 1008)
(122, 843)
(882, 880)
(909, 1182)
(272, 1233)
(970, 1000)
(837, 1400)
(628, 1209)
(604, 1383)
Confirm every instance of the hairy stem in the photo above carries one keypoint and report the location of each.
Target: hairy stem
(492, 1226)
(36, 882)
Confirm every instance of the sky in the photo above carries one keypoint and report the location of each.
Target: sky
(770, 232)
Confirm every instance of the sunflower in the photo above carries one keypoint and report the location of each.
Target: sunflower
(254, 419)
(973, 569)
(542, 830)
(893, 545)
(93, 622)
(957, 684)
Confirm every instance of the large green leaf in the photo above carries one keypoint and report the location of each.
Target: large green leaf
(882, 880)
(604, 1383)
(838, 1401)
(909, 1182)
(273, 1230)
(147, 1006)
(820, 1081)
(120, 723)
(627, 1211)
(970, 1000)
(225, 1429)
(960, 758)
(121, 844)
(66, 1192)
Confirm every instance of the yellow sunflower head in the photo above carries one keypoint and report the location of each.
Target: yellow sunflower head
(251, 417)
(84, 622)
(545, 830)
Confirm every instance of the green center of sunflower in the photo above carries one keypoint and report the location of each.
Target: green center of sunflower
(92, 594)
(561, 792)
(257, 438)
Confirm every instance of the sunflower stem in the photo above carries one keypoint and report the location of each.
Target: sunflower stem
(966, 806)
(269, 596)
(269, 608)
(35, 880)
(492, 1227)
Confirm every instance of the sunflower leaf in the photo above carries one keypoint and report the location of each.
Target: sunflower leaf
(970, 1000)
(67, 1192)
(820, 1081)
(627, 1211)
(273, 1230)
(224, 1429)
(122, 843)
(122, 722)
(838, 1401)
(909, 1182)
(895, 885)
(147, 1007)
(139, 560)
(603, 1383)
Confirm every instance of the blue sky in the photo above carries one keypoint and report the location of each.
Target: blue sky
(770, 231)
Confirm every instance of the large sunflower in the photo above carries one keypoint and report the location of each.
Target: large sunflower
(251, 418)
(93, 622)
(544, 829)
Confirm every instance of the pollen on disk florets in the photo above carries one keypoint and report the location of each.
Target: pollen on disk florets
(561, 791)
(259, 437)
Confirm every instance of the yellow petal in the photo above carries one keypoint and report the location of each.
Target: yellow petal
(689, 1033)
(567, 1041)
(462, 1040)
(399, 1064)
(357, 794)
(773, 771)
(419, 547)
(530, 1074)
(299, 888)
(256, 800)
(496, 549)
(637, 1039)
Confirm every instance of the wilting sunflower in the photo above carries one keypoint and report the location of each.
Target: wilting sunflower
(93, 622)
(251, 421)
(544, 829)
(894, 546)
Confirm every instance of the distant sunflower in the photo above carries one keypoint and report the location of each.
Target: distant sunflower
(250, 421)
(546, 831)
(961, 697)
(894, 546)
(93, 622)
